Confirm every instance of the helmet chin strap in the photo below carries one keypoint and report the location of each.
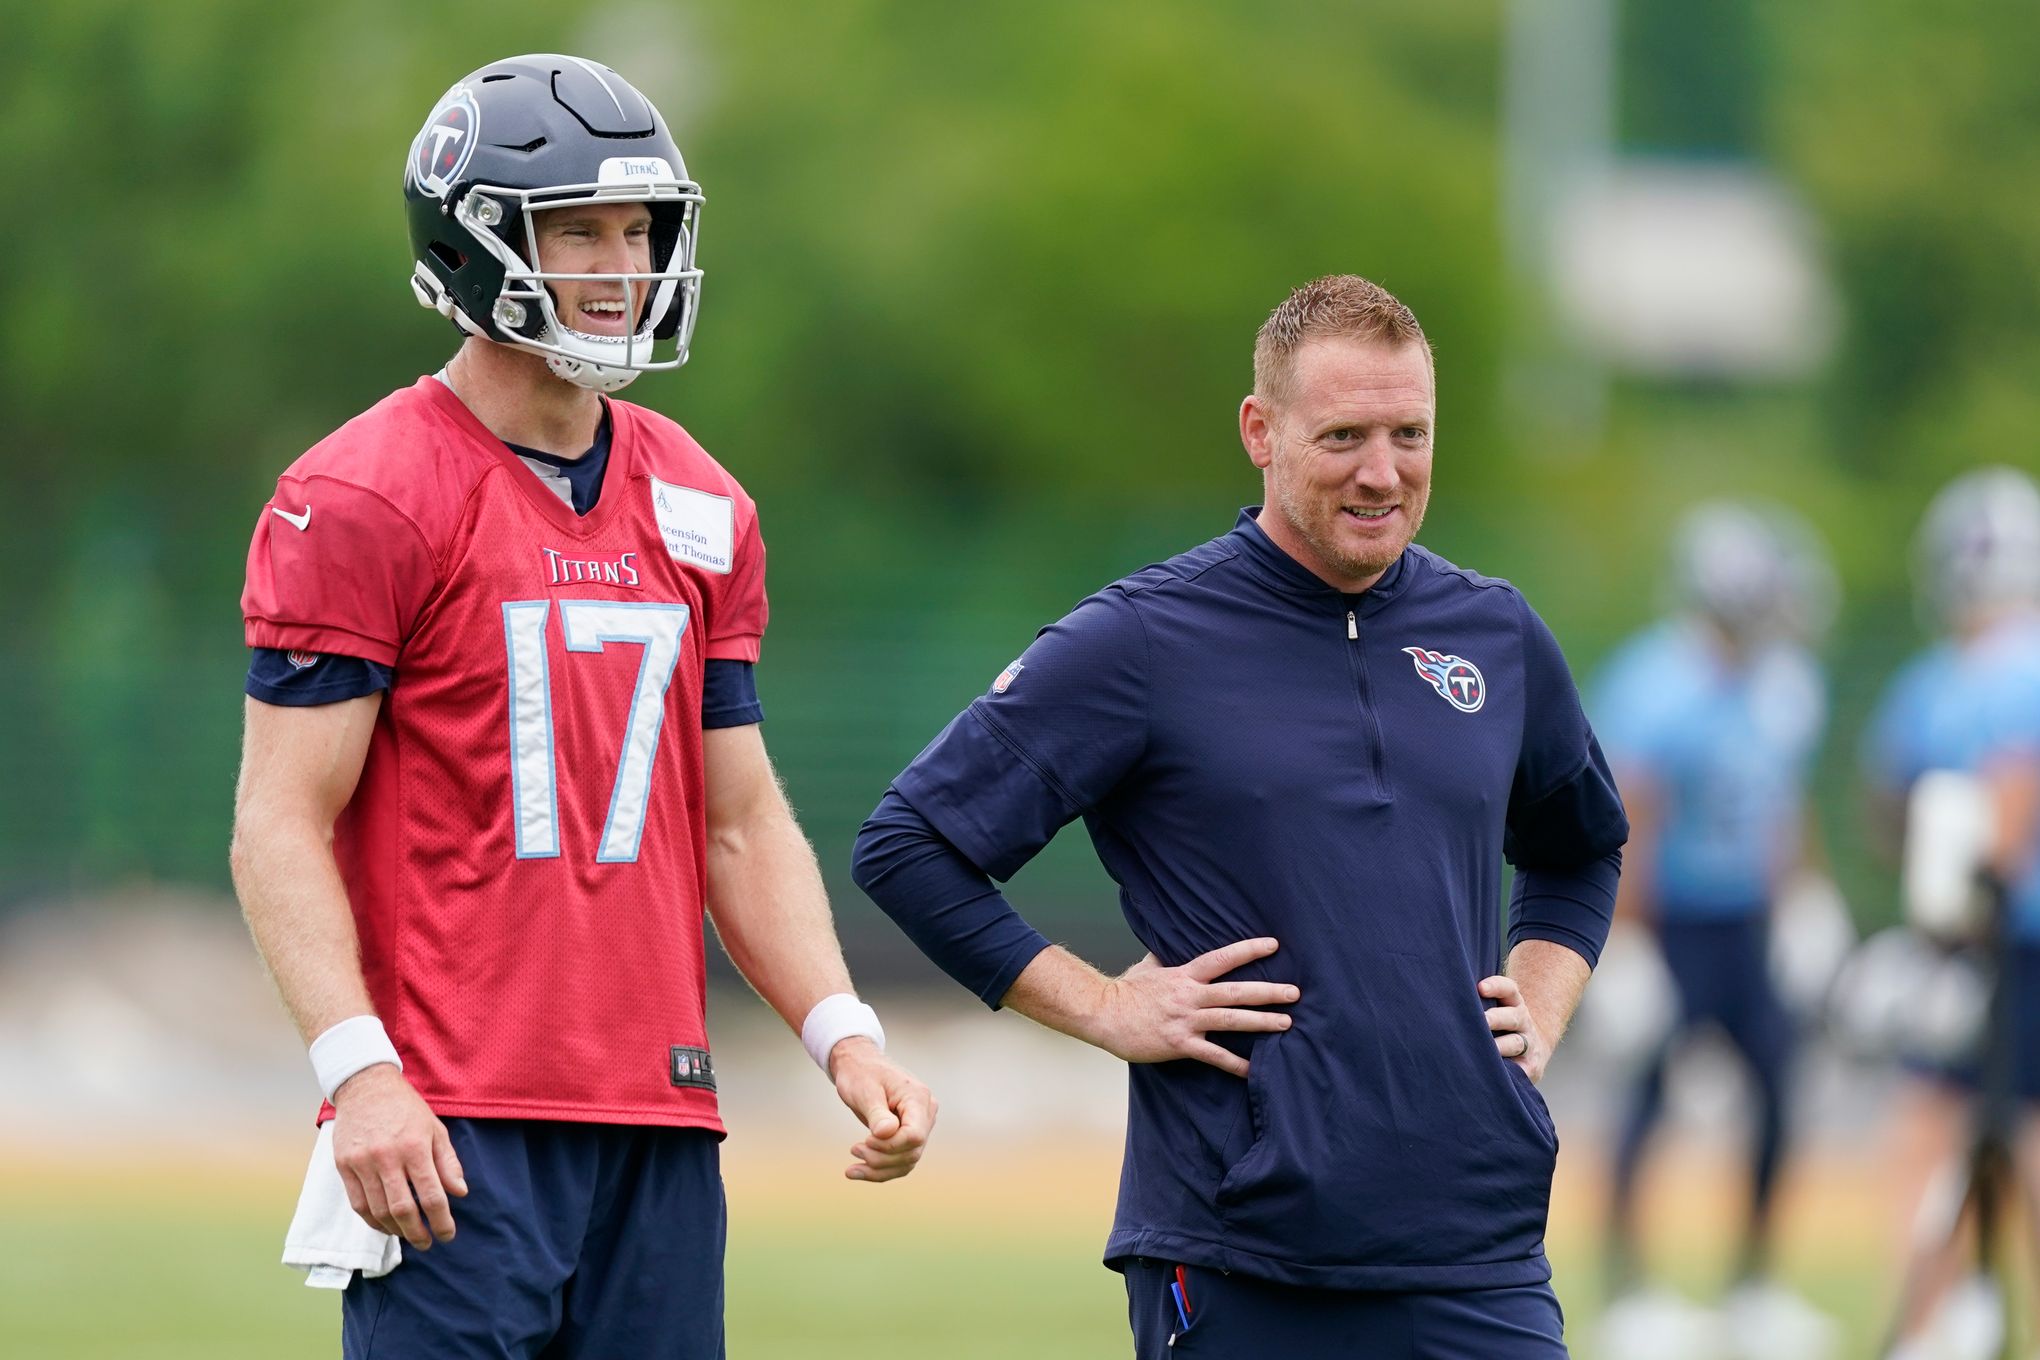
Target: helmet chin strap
(594, 377)
(590, 373)
(578, 364)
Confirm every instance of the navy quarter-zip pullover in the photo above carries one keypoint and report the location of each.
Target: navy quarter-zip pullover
(1255, 753)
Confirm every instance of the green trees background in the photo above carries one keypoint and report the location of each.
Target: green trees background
(981, 287)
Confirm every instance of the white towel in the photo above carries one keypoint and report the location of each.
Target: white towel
(327, 1239)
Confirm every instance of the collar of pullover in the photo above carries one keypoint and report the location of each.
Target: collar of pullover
(1278, 569)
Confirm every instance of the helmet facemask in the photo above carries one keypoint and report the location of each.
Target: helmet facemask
(664, 299)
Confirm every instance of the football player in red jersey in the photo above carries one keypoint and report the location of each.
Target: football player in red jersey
(501, 755)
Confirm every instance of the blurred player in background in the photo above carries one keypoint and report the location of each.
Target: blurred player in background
(1970, 703)
(502, 751)
(1711, 719)
(1307, 731)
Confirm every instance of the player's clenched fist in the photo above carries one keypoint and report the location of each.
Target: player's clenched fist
(395, 1158)
(897, 1110)
(1154, 1014)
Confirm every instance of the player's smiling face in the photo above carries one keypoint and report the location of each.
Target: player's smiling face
(595, 238)
(1345, 455)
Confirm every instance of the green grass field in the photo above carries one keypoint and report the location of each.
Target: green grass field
(201, 1283)
(989, 1259)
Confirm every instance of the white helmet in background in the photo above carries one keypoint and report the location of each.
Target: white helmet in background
(1979, 546)
(1757, 571)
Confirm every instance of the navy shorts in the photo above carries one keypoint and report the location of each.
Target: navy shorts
(2021, 961)
(574, 1240)
(1723, 973)
(1722, 968)
(1233, 1317)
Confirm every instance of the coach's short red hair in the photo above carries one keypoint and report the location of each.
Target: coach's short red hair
(1345, 306)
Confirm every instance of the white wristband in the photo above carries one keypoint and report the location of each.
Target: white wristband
(356, 1042)
(834, 1019)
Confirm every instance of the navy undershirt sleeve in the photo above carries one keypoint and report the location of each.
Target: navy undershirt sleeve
(1565, 828)
(1572, 907)
(944, 903)
(313, 678)
(729, 694)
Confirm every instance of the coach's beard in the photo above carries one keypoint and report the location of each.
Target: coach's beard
(1318, 523)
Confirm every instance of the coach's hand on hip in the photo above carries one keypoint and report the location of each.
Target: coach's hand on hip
(395, 1157)
(897, 1110)
(1154, 1014)
(1517, 1036)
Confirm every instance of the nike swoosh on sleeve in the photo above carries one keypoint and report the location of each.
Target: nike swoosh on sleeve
(298, 522)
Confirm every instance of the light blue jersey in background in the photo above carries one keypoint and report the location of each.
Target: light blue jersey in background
(1964, 708)
(1726, 747)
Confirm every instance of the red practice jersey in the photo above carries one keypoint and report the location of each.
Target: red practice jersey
(525, 851)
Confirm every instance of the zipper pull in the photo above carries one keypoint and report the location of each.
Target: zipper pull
(1352, 627)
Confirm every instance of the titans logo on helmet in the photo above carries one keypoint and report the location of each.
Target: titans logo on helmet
(1456, 678)
(443, 146)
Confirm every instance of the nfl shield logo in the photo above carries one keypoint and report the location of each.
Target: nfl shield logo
(693, 1067)
(1007, 677)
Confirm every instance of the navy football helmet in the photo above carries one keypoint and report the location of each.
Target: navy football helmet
(531, 133)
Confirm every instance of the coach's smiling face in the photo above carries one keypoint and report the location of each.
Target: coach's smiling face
(1345, 456)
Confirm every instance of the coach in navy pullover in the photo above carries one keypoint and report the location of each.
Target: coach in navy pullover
(1258, 753)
